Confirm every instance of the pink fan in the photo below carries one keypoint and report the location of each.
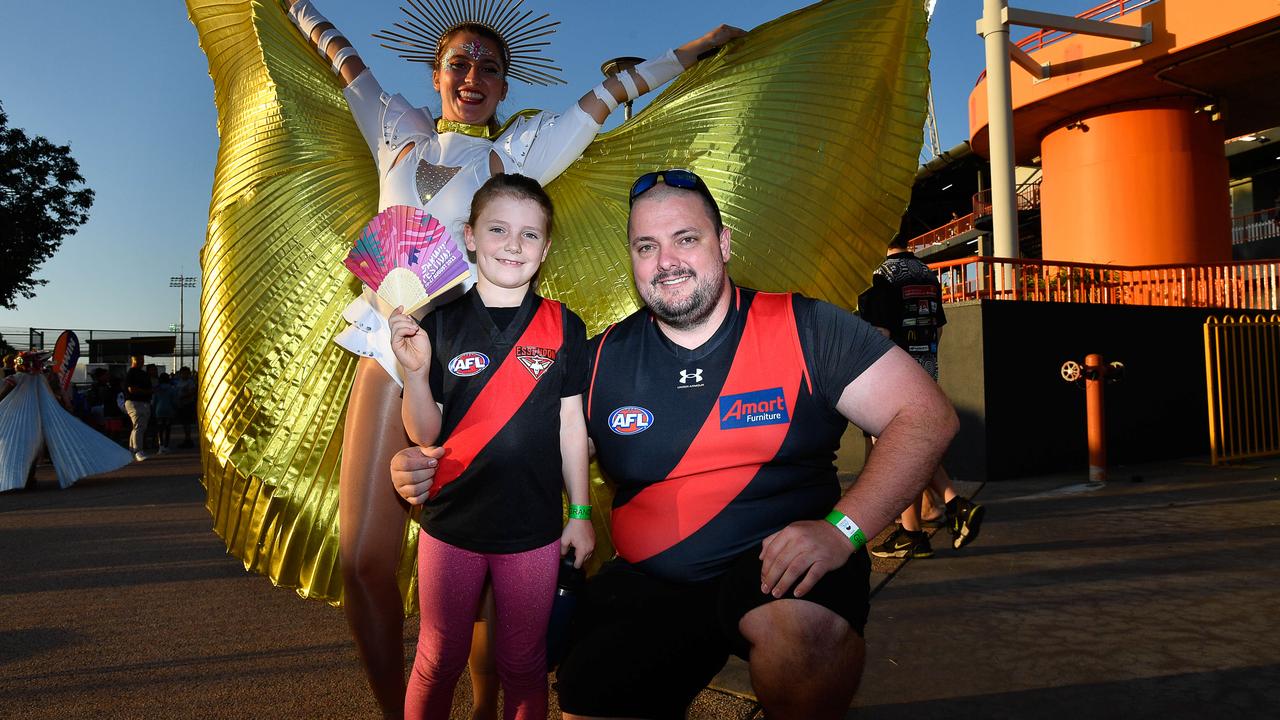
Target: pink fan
(407, 257)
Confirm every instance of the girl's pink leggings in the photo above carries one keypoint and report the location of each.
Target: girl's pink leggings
(450, 580)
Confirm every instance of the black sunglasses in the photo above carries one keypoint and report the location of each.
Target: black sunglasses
(683, 179)
(677, 178)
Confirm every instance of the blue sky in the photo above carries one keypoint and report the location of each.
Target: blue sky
(125, 84)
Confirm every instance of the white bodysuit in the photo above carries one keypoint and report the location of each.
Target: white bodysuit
(440, 175)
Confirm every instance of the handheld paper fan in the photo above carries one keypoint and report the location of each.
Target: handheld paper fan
(407, 257)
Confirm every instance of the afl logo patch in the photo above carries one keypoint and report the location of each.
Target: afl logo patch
(630, 420)
(468, 364)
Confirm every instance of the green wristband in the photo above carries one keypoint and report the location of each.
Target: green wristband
(579, 512)
(850, 528)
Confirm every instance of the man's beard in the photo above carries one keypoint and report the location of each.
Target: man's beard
(692, 310)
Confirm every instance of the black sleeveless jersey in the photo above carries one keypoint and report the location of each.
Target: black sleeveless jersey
(498, 487)
(715, 448)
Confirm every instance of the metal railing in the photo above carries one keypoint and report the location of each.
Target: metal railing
(1027, 196)
(955, 228)
(1233, 286)
(186, 344)
(1242, 382)
(1254, 226)
(1105, 12)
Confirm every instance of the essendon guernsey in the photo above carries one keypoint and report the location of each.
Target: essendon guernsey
(714, 448)
(501, 389)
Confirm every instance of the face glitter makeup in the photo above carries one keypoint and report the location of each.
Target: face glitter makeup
(476, 50)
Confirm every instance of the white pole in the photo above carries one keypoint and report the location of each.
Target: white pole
(1004, 209)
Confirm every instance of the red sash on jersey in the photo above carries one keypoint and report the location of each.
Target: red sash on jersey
(497, 403)
(719, 463)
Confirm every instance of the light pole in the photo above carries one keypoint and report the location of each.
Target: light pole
(181, 282)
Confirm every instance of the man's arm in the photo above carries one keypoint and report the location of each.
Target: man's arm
(413, 471)
(896, 401)
(900, 404)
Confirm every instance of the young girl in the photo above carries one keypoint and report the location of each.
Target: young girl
(496, 378)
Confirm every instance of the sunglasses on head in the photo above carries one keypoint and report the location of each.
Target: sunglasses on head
(683, 179)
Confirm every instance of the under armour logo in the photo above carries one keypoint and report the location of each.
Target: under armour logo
(686, 377)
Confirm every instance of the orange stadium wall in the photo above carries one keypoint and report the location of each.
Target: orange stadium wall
(1143, 184)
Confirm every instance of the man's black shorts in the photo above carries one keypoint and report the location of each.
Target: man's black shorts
(644, 647)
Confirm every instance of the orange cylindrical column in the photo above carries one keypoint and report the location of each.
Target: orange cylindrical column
(1094, 377)
(1142, 184)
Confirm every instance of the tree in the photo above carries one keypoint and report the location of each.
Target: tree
(42, 200)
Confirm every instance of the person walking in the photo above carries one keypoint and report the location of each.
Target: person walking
(904, 303)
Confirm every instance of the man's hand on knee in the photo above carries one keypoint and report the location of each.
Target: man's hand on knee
(803, 551)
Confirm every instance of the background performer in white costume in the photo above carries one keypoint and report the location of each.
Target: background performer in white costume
(31, 418)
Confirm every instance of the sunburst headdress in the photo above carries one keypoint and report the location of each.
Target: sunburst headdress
(418, 38)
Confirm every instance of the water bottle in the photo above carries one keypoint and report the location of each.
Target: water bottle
(568, 586)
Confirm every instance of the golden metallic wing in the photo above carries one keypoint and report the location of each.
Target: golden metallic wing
(294, 183)
(807, 131)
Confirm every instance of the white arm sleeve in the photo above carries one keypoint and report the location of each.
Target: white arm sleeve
(659, 70)
(368, 105)
(542, 147)
(306, 17)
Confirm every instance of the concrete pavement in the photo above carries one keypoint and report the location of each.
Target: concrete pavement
(1158, 595)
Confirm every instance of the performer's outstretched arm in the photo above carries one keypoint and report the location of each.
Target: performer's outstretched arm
(558, 144)
(326, 39)
(643, 78)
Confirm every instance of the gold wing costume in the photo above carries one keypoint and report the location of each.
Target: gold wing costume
(807, 132)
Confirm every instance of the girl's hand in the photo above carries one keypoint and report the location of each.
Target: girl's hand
(409, 342)
(580, 536)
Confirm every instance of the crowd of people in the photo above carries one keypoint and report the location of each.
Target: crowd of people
(139, 408)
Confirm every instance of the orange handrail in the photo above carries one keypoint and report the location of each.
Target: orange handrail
(956, 227)
(1027, 197)
(1233, 285)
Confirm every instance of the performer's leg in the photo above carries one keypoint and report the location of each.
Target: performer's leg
(484, 677)
(524, 585)
(372, 526)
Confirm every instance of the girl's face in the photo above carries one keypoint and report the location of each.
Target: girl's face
(470, 79)
(510, 241)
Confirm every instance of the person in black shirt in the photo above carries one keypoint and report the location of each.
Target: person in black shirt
(904, 303)
(137, 404)
(496, 378)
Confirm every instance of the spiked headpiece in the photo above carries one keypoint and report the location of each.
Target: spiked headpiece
(428, 22)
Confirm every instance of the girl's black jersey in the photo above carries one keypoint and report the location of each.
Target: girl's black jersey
(713, 449)
(497, 489)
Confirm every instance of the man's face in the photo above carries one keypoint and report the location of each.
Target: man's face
(677, 258)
